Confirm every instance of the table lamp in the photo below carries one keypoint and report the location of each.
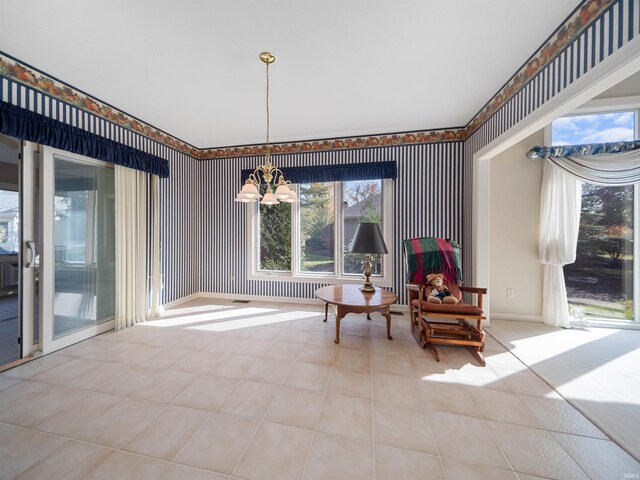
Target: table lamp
(368, 240)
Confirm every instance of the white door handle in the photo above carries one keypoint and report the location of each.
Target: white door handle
(31, 252)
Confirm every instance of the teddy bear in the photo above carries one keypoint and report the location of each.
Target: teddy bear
(437, 292)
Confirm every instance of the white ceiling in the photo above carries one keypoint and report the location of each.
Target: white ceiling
(349, 67)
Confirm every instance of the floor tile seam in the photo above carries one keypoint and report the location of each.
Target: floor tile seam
(401, 449)
(392, 374)
(555, 440)
(129, 438)
(122, 374)
(48, 417)
(486, 425)
(151, 380)
(469, 462)
(442, 458)
(146, 424)
(207, 412)
(373, 419)
(45, 457)
(424, 409)
(539, 423)
(324, 395)
(130, 453)
(551, 432)
(4, 372)
(41, 432)
(241, 379)
(258, 427)
(575, 457)
(527, 367)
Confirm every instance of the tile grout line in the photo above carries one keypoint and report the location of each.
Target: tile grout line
(168, 369)
(424, 409)
(324, 394)
(484, 422)
(373, 415)
(212, 413)
(267, 409)
(532, 414)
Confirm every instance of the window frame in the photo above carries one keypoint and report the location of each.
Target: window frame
(602, 106)
(337, 277)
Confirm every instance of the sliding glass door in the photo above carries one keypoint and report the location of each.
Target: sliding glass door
(79, 243)
(10, 204)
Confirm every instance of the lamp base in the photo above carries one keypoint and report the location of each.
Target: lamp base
(367, 287)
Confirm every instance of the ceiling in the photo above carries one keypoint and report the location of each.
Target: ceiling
(349, 67)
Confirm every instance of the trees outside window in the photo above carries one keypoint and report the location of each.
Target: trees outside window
(275, 236)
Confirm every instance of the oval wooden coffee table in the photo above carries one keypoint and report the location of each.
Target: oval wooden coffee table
(349, 299)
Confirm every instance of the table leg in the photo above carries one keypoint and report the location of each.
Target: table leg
(388, 317)
(326, 311)
(338, 318)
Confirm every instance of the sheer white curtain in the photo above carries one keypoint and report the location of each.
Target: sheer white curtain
(560, 202)
(133, 203)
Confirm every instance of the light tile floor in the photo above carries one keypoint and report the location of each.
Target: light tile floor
(260, 391)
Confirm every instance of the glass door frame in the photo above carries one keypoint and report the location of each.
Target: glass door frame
(47, 254)
(28, 221)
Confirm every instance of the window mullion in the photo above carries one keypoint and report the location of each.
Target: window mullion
(338, 233)
(295, 236)
(636, 252)
(636, 234)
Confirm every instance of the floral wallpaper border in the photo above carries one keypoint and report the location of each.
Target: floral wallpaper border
(564, 36)
(567, 33)
(15, 70)
(404, 138)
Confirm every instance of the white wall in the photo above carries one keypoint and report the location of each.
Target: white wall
(626, 88)
(514, 217)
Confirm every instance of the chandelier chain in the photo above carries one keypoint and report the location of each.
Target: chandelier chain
(267, 108)
(277, 188)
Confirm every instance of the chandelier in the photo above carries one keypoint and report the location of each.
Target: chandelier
(278, 189)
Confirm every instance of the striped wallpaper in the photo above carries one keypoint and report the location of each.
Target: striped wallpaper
(613, 29)
(180, 229)
(203, 230)
(434, 190)
(427, 201)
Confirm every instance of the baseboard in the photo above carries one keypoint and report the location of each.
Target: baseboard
(175, 303)
(261, 298)
(516, 317)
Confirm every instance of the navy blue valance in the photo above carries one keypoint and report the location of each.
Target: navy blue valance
(337, 173)
(26, 125)
(537, 152)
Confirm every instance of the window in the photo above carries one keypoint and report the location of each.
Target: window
(275, 232)
(309, 241)
(4, 232)
(604, 278)
(317, 227)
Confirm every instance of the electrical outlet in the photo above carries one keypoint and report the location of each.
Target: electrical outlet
(509, 292)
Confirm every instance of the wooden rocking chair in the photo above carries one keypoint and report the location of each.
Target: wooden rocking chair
(444, 324)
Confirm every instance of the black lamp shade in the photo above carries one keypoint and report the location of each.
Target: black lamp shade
(368, 239)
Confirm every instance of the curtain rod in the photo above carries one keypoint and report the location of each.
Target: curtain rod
(537, 152)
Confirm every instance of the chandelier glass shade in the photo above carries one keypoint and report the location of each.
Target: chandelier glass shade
(267, 176)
